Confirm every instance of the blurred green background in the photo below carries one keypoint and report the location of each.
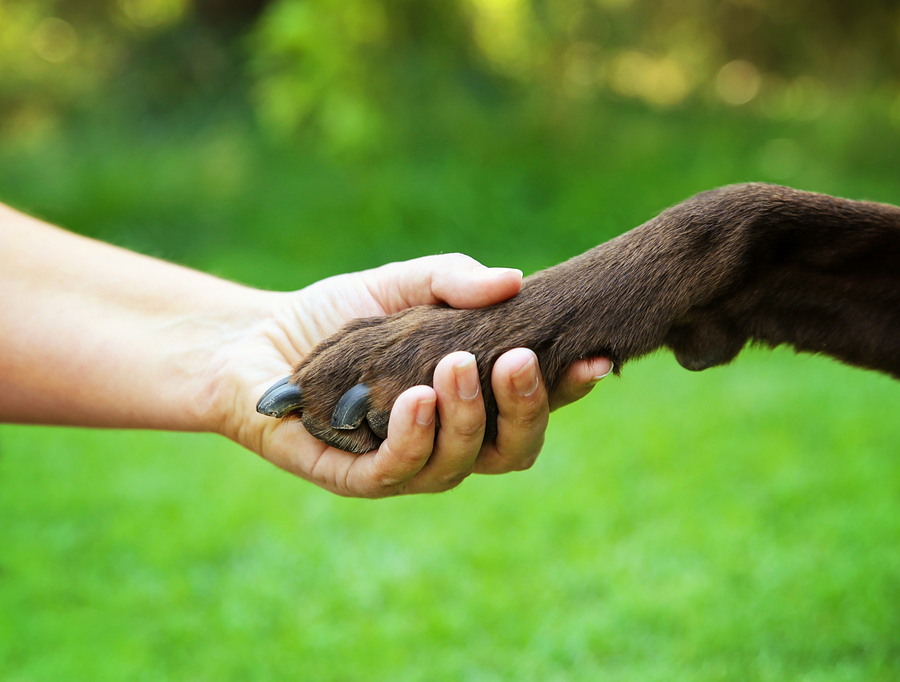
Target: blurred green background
(743, 523)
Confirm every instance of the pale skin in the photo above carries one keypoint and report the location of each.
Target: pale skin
(95, 335)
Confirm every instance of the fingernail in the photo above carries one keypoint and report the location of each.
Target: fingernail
(525, 381)
(467, 378)
(595, 379)
(516, 270)
(425, 412)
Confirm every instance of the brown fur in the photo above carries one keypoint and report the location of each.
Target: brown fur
(743, 263)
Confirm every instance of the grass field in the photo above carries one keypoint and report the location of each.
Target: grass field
(738, 524)
(741, 524)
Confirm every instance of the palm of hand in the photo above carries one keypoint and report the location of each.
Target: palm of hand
(268, 350)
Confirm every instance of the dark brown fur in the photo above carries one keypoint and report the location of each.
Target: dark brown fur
(743, 263)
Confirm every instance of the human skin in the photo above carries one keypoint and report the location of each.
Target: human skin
(95, 335)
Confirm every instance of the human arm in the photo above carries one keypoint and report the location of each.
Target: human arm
(94, 335)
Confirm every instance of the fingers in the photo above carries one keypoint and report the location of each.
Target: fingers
(580, 380)
(462, 419)
(408, 447)
(461, 409)
(455, 279)
(524, 407)
(411, 460)
(524, 412)
(381, 473)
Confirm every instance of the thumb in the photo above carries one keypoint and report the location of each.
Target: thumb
(455, 279)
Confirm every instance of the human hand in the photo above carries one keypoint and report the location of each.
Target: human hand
(412, 459)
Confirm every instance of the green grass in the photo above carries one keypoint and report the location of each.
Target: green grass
(739, 524)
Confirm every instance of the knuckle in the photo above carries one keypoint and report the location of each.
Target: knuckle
(393, 472)
(452, 479)
(531, 422)
(397, 476)
(388, 482)
(526, 428)
(467, 430)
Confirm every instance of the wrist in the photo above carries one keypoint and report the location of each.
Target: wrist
(253, 346)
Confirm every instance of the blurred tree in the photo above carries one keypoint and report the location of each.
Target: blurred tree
(341, 65)
(237, 13)
(354, 71)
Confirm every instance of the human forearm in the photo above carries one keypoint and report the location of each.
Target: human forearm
(153, 330)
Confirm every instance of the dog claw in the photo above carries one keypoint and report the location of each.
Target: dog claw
(351, 408)
(280, 399)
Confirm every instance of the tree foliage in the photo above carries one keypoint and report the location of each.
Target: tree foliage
(349, 69)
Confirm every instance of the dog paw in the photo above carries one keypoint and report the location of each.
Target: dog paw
(344, 390)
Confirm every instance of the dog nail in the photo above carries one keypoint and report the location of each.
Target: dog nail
(351, 408)
(280, 398)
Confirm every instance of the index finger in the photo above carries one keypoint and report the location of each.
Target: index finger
(409, 445)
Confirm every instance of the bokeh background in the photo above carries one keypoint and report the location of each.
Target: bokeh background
(743, 523)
